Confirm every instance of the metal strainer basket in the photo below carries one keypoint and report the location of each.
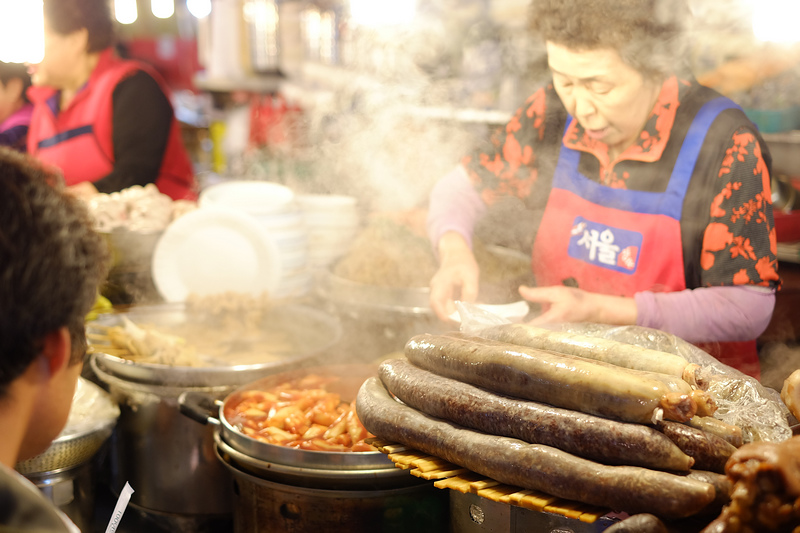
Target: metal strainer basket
(73, 448)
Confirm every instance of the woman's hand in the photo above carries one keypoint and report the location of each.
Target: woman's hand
(457, 277)
(568, 304)
(83, 190)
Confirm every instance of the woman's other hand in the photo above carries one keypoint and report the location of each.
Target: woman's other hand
(568, 304)
(83, 190)
(457, 277)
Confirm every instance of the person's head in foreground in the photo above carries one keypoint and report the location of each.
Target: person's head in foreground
(51, 264)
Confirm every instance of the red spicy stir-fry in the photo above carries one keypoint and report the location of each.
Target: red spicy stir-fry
(300, 414)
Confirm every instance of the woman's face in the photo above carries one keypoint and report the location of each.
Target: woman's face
(609, 98)
(62, 55)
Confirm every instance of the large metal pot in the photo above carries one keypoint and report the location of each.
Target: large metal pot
(264, 505)
(168, 459)
(302, 491)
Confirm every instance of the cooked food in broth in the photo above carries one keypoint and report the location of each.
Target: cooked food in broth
(220, 330)
(300, 414)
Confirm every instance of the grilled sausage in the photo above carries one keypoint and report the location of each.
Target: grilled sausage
(611, 351)
(710, 452)
(548, 377)
(639, 523)
(531, 466)
(600, 439)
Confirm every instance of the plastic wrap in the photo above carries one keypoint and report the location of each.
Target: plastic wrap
(742, 401)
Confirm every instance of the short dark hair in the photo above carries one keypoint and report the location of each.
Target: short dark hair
(67, 16)
(10, 71)
(650, 35)
(51, 264)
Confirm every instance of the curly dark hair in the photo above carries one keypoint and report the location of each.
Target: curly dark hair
(67, 16)
(650, 35)
(51, 264)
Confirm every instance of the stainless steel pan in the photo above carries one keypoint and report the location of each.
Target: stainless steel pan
(206, 410)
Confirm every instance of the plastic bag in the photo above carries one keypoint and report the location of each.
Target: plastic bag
(741, 399)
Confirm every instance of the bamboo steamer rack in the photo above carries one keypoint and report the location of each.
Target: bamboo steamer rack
(461, 480)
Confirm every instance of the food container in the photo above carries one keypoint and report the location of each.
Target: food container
(310, 491)
(380, 319)
(168, 459)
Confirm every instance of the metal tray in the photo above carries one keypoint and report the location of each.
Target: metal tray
(313, 331)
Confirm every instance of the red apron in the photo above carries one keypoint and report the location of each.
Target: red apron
(618, 241)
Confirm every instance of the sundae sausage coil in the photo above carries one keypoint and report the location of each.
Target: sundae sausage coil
(547, 377)
(532, 466)
(578, 433)
(610, 351)
(710, 452)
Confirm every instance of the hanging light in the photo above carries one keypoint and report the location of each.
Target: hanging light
(374, 13)
(125, 11)
(162, 9)
(199, 8)
(21, 31)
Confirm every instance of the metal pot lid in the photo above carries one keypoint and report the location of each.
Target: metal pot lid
(311, 331)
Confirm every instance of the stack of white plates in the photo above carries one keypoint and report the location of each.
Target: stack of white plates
(212, 251)
(273, 208)
(332, 222)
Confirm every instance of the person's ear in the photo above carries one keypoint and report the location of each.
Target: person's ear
(56, 350)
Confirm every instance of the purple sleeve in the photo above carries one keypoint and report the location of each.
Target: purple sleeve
(708, 314)
(454, 205)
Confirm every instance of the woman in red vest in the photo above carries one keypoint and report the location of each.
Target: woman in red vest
(642, 196)
(106, 123)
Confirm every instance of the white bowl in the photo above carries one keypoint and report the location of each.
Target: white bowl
(281, 220)
(254, 197)
(315, 220)
(326, 202)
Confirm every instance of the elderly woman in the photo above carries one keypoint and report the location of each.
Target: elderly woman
(648, 193)
(106, 123)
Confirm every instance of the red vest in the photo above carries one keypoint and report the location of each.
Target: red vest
(620, 241)
(78, 140)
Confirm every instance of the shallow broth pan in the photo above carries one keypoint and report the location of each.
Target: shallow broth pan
(206, 410)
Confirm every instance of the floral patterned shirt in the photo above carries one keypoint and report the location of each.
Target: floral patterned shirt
(739, 244)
